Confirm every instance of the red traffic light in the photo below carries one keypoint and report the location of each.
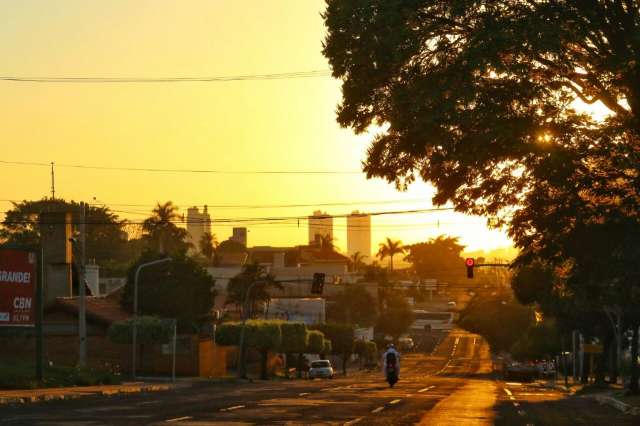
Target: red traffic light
(469, 262)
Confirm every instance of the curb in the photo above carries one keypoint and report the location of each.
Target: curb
(617, 404)
(80, 394)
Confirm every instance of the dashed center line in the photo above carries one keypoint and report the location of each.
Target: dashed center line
(395, 401)
(178, 419)
(508, 392)
(522, 413)
(426, 389)
(516, 404)
(354, 421)
(304, 394)
(377, 410)
(235, 407)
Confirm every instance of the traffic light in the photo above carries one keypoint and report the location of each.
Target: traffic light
(469, 262)
(317, 285)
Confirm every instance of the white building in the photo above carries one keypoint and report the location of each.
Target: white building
(320, 225)
(359, 234)
(198, 224)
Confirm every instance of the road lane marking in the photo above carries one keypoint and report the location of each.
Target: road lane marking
(395, 401)
(377, 410)
(354, 421)
(235, 407)
(522, 413)
(513, 398)
(426, 389)
(515, 404)
(508, 392)
(304, 394)
(178, 419)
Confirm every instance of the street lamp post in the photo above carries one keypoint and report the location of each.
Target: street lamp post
(135, 310)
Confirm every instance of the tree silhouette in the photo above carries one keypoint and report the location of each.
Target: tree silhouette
(389, 249)
(356, 261)
(208, 245)
(161, 231)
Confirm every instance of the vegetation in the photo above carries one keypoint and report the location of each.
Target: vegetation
(356, 261)
(354, 306)
(208, 245)
(21, 375)
(238, 288)
(395, 317)
(438, 258)
(340, 338)
(389, 249)
(149, 330)
(182, 281)
(162, 233)
(479, 99)
(498, 319)
(272, 335)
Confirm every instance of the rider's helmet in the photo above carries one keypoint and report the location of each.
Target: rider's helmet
(391, 346)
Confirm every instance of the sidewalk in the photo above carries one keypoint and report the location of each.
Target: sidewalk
(48, 394)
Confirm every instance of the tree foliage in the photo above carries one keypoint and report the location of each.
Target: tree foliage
(389, 249)
(315, 342)
(149, 330)
(161, 231)
(179, 289)
(439, 257)
(340, 337)
(354, 306)
(396, 317)
(252, 275)
(106, 238)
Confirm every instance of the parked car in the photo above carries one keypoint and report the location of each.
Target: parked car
(321, 369)
(521, 372)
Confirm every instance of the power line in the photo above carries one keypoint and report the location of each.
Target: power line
(201, 171)
(273, 219)
(184, 79)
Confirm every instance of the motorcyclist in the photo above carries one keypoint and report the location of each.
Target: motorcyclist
(390, 354)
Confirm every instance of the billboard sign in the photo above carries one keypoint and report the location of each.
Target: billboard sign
(17, 287)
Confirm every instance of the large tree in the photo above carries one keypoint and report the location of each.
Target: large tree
(162, 232)
(354, 306)
(480, 98)
(253, 285)
(437, 258)
(179, 289)
(106, 237)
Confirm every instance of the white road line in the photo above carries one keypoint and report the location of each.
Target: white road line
(377, 410)
(522, 413)
(177, 419)
(395, 401)
(515, 404)
(304, 394)
(508, 392)
(513, 398)
(426, 389)
(354, 421)
(235, 407)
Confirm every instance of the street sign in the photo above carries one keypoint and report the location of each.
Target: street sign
(17, 288)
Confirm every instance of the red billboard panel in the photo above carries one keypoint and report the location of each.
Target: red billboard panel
(17, 287)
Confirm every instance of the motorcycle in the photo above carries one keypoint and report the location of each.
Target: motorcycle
(392, 375)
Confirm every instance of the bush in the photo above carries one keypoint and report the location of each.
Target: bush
(150, 330)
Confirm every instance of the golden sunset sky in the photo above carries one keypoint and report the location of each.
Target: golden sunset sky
(286, 124)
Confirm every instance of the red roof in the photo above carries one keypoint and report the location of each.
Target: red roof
(104, 309)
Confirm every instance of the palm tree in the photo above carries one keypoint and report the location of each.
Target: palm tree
(208, 245)
(356, 260)
(159, 227)
(389, 249)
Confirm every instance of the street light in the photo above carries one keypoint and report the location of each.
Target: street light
(135, 310)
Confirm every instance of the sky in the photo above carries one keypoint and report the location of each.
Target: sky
(286, 124)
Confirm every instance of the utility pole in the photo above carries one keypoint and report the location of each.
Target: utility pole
(82, 282)
(53, 183)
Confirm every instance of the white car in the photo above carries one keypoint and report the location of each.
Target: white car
(321, 369)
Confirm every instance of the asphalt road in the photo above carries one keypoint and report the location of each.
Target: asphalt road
(451, 386)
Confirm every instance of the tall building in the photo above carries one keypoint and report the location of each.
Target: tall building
(198, 224)
(320, 225)
(239, 235)
(359, 234)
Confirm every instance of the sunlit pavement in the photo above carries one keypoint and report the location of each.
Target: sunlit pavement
(450, 386)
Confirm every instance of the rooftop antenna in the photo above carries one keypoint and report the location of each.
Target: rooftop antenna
(53, 183)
